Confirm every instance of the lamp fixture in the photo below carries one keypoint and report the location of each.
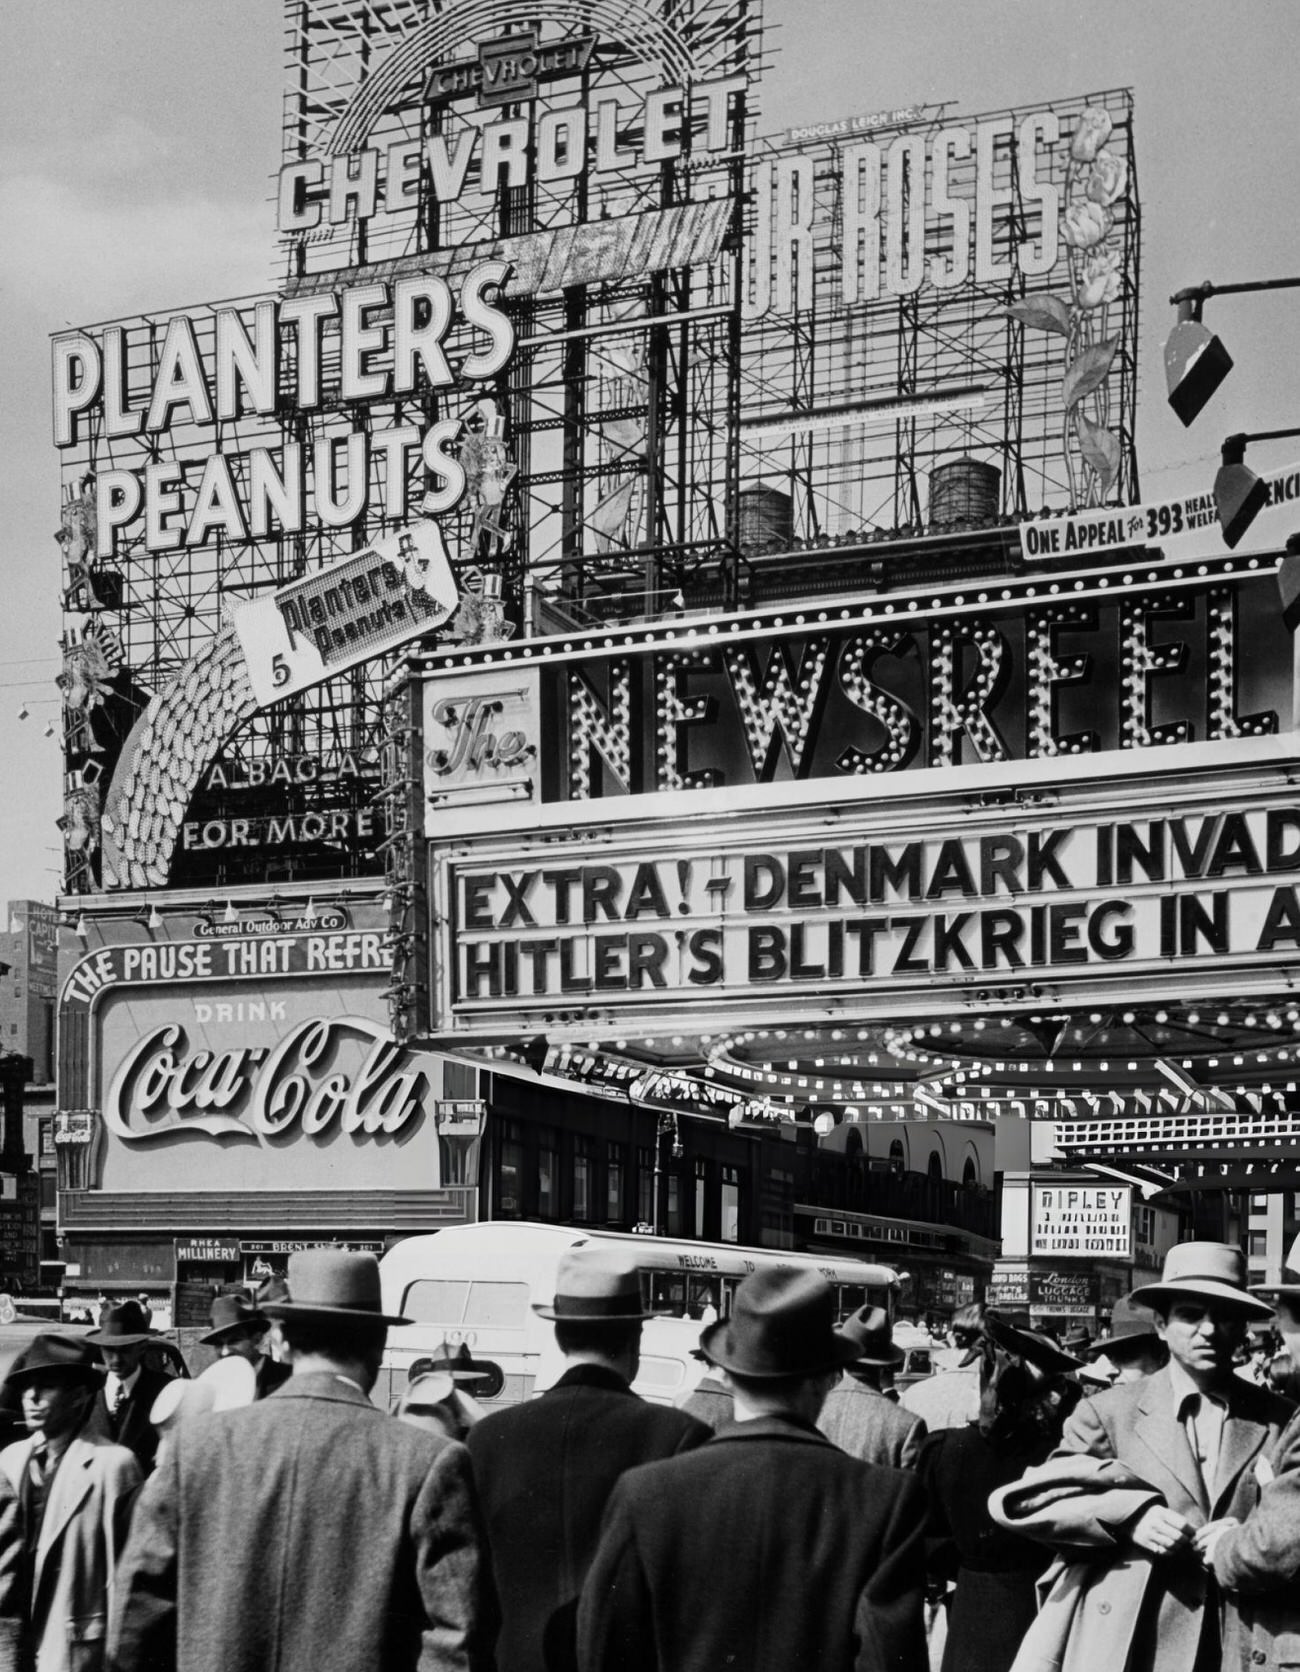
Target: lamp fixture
(230, 915)
(309, 912)
(1240, 495)
(1196, 362)
(82, 930)
(23, 712)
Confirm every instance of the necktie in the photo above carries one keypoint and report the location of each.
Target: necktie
(119, 1404)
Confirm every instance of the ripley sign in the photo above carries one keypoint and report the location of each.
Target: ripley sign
(1082, 1221)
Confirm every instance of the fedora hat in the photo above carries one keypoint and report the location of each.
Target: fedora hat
(123, 1326)
(1129, 1324)
(595, 1286)
(68, 1356)
(233, 1315)
(1031, 1345)
(1289, 1287)
(871, 1332)
(782, 1323)
(1210, 1271)
(335, 1286)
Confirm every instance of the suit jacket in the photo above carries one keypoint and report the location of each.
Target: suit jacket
(545, 1470)
(861, 1421)
(1138, 1425)
(132, 1427)
(1258, 1562)
(309, 1532)
(768, 1550)
(87, 1507)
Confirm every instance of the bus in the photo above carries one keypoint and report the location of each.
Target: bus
(473, 1287)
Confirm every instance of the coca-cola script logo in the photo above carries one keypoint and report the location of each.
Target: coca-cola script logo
(263, 1094)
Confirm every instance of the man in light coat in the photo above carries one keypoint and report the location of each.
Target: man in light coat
(309, 1532)
(767, 1549)
(857, 1416)
(545, 1469)
(72, 1490)
(1192, 1434)
(1257, 1561)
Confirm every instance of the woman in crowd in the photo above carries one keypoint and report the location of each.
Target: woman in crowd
(1026, 1394)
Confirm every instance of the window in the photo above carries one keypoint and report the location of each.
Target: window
(510, 1183)
(459, 1082)
(730, 1231)
(614, 1185)
(934, 1168)
(897, 1156)
(645, 1188)
(969, 1177)
(582, 1170)
(548, 1181)
(674, 1214)
(1257, 1245)
(701, 1195)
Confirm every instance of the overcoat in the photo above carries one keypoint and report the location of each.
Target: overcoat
(861, 1421)
(994, 1569)
(769, 1550)
(87, 1507)
(544, 1472)
(309, 1532)
(1258, 1562)
(1138, 1425)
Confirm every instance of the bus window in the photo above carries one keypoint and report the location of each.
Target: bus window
(703, 1292)
(497, 1305)
(848, 1298)
(435, 1300)
(667, 1294)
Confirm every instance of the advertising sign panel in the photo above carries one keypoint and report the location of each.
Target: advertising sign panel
(902, 899)
(329, 621)
(1073, 1293)
(1082, 1221)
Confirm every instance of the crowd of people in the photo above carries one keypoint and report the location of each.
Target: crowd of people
(1130, 1503)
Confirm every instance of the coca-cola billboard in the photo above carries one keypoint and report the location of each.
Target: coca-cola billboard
(249, 1087)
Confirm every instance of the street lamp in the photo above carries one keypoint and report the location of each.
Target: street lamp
(1240, 495)
(1196, 362)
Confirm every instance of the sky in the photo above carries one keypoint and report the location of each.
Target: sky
(139, 140)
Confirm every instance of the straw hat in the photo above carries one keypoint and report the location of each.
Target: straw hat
(227, 1385)
(1208, 1271)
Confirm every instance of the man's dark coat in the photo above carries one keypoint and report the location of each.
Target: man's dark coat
(769, 1550)
(544, 1472)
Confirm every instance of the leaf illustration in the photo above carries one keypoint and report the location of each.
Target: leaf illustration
(1044, 313)
(1088, 371)
(1100, 449)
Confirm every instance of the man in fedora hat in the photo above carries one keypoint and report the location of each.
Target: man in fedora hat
(768, 1548)
(74, 1490)
(1133, 1347)
(1256, 1561)
(131, 1386)
(310, 1532)
(239, 1330)
(857, 1416)
(545, 1469)
(1192, 1433)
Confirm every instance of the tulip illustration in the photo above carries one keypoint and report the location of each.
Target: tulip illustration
(1092, 133)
